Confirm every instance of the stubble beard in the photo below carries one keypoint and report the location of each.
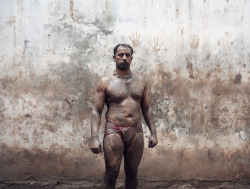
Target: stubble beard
(123, 66)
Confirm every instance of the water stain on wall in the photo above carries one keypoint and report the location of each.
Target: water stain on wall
(213, 163)
(56, 162)
(189, 97)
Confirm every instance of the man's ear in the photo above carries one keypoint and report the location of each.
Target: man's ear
(114, 58)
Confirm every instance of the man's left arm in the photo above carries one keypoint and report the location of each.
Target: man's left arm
(148, 117)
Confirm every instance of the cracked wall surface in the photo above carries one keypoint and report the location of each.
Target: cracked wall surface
(195, 55)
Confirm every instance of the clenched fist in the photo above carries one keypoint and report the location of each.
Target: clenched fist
(152, 141)
(95, 145)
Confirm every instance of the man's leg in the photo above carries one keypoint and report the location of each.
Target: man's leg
(132, 158)
(113, 146)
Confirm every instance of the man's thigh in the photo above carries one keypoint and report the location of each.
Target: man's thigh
(113, 146)
(133, 152)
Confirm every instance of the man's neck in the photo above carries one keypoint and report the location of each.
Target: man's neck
(123, 72)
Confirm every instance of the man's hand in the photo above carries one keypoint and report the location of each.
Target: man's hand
(152, 141)
(95, 145)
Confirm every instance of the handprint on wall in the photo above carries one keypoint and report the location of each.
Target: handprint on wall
(194, 43)
(157, 45)
(135, 39)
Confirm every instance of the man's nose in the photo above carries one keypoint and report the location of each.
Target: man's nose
(124, 56)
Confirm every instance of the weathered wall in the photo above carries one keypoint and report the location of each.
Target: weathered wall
(195, 53)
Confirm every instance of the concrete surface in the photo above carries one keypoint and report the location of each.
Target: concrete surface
(187, 184)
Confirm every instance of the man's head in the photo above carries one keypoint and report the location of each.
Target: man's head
(125, 46)
(123, 56)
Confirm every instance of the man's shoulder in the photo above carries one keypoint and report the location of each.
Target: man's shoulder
(105, 80)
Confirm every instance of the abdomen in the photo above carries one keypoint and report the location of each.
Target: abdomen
(127, 113)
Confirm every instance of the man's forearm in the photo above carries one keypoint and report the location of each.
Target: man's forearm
(95, 123)
(149, 119)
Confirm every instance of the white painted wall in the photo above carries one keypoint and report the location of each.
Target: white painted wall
(196, 55)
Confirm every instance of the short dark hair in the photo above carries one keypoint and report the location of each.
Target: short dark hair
(123, 45)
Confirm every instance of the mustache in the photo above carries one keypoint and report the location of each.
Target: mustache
(124, 61)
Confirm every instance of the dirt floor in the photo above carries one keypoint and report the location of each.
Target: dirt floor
(190, 184)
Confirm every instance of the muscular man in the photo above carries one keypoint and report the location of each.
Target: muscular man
(124, 94)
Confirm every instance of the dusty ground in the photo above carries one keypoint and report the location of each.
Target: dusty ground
(191, 184)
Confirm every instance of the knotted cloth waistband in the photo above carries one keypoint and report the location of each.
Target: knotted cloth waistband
(117, 128)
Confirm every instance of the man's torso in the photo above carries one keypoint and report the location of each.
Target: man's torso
(123, 100)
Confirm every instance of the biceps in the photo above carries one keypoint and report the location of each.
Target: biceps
(99, 101)
(145, 100)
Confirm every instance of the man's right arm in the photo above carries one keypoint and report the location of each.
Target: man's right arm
(99, 100)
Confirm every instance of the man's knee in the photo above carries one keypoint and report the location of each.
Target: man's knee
(112, 172)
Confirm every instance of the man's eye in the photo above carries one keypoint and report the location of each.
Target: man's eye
(121, 55)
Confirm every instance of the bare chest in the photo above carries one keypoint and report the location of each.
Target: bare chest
(119, 90)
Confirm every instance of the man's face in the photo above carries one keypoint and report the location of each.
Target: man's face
(123, 58)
